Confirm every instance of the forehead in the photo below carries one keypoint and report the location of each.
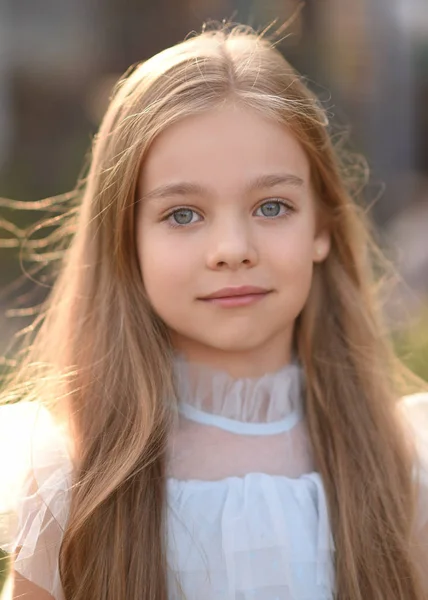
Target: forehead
(223, 149)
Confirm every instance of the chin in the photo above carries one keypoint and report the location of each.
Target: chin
(233, 343)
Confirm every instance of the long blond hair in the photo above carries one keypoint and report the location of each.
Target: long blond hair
(101, 356)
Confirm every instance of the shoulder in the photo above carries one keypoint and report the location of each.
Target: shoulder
(415, 402)
(414, 410)
(38, 500)
(39, 451)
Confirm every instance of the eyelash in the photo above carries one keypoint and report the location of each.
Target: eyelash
(289, 209)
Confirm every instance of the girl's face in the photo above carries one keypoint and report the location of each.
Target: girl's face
(226, 202)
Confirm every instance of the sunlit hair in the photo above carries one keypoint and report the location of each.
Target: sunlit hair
(102, 357)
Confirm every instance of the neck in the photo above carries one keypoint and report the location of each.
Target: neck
(239, 363)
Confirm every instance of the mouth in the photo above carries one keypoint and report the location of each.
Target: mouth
(236, 296)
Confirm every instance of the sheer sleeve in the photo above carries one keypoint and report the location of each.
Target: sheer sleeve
(42, 505)
(416, 412)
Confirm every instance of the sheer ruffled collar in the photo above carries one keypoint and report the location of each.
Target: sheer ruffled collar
(271, 398)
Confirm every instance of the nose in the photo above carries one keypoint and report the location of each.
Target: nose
(232, 247)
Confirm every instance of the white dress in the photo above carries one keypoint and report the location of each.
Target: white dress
(247, 514)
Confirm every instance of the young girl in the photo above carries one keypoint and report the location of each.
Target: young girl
(226, 418)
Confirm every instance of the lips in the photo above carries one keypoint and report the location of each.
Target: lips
(236, 297)
(231, 292)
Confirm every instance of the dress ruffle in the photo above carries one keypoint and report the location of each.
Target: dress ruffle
(272, 397)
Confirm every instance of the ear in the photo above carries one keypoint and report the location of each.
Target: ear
(321, 246)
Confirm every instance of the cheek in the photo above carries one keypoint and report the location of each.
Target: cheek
(296, 274)
(292, 250)
(292, 258)
(165, 267)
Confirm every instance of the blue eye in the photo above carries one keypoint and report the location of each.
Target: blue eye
(274, 208)
(181, 216)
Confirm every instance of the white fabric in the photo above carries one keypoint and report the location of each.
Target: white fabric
(247, 512)
(42, 507)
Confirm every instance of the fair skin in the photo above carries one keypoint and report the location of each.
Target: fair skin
(23, 588)
(244, 216)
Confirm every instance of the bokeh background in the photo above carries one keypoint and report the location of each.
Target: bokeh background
(366, 59)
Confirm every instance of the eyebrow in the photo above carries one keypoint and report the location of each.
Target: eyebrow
(187, 188)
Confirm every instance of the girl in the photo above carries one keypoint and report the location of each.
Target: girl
(226, 417)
